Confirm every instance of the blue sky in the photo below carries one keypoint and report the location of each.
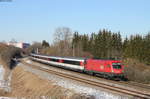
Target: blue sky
(36, 20)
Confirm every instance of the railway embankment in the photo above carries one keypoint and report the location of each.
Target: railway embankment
(27, 85)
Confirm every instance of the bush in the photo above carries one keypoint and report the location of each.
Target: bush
(8, 53)
(137, 71)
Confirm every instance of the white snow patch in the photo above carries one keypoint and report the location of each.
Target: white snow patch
(4, 84)
(45, 67)
(28, 61)
(2, 72)
(7, 98)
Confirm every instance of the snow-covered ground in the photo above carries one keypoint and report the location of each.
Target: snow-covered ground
(2, 71)
(77, 87)
(5, 85)
(7, 98)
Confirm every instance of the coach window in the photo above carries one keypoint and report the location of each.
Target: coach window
(71, 62)
(55, 60)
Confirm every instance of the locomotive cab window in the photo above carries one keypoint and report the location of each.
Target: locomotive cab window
(116, 65)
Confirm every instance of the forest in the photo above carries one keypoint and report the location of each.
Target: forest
(109, 45)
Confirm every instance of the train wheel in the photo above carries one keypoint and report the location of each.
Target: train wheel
(93, 74)
(90, 72)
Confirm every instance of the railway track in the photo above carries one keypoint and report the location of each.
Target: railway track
(136, 84)
(129, 91)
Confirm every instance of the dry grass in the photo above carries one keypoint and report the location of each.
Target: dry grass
(26, 84)
(137, 71)
(7, 53)
(4, 93)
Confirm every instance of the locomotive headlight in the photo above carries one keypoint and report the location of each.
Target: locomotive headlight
(112, 70)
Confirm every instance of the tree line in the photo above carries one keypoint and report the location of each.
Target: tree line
(107, 44)
(104, 44)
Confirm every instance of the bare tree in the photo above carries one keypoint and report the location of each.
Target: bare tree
(34, 48)
(62, 40)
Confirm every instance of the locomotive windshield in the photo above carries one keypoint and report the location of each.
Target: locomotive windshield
(116, 65)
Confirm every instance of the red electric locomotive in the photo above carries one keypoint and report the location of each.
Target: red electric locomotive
(112, 69)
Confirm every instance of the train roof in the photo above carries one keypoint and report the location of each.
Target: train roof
(60, 57)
